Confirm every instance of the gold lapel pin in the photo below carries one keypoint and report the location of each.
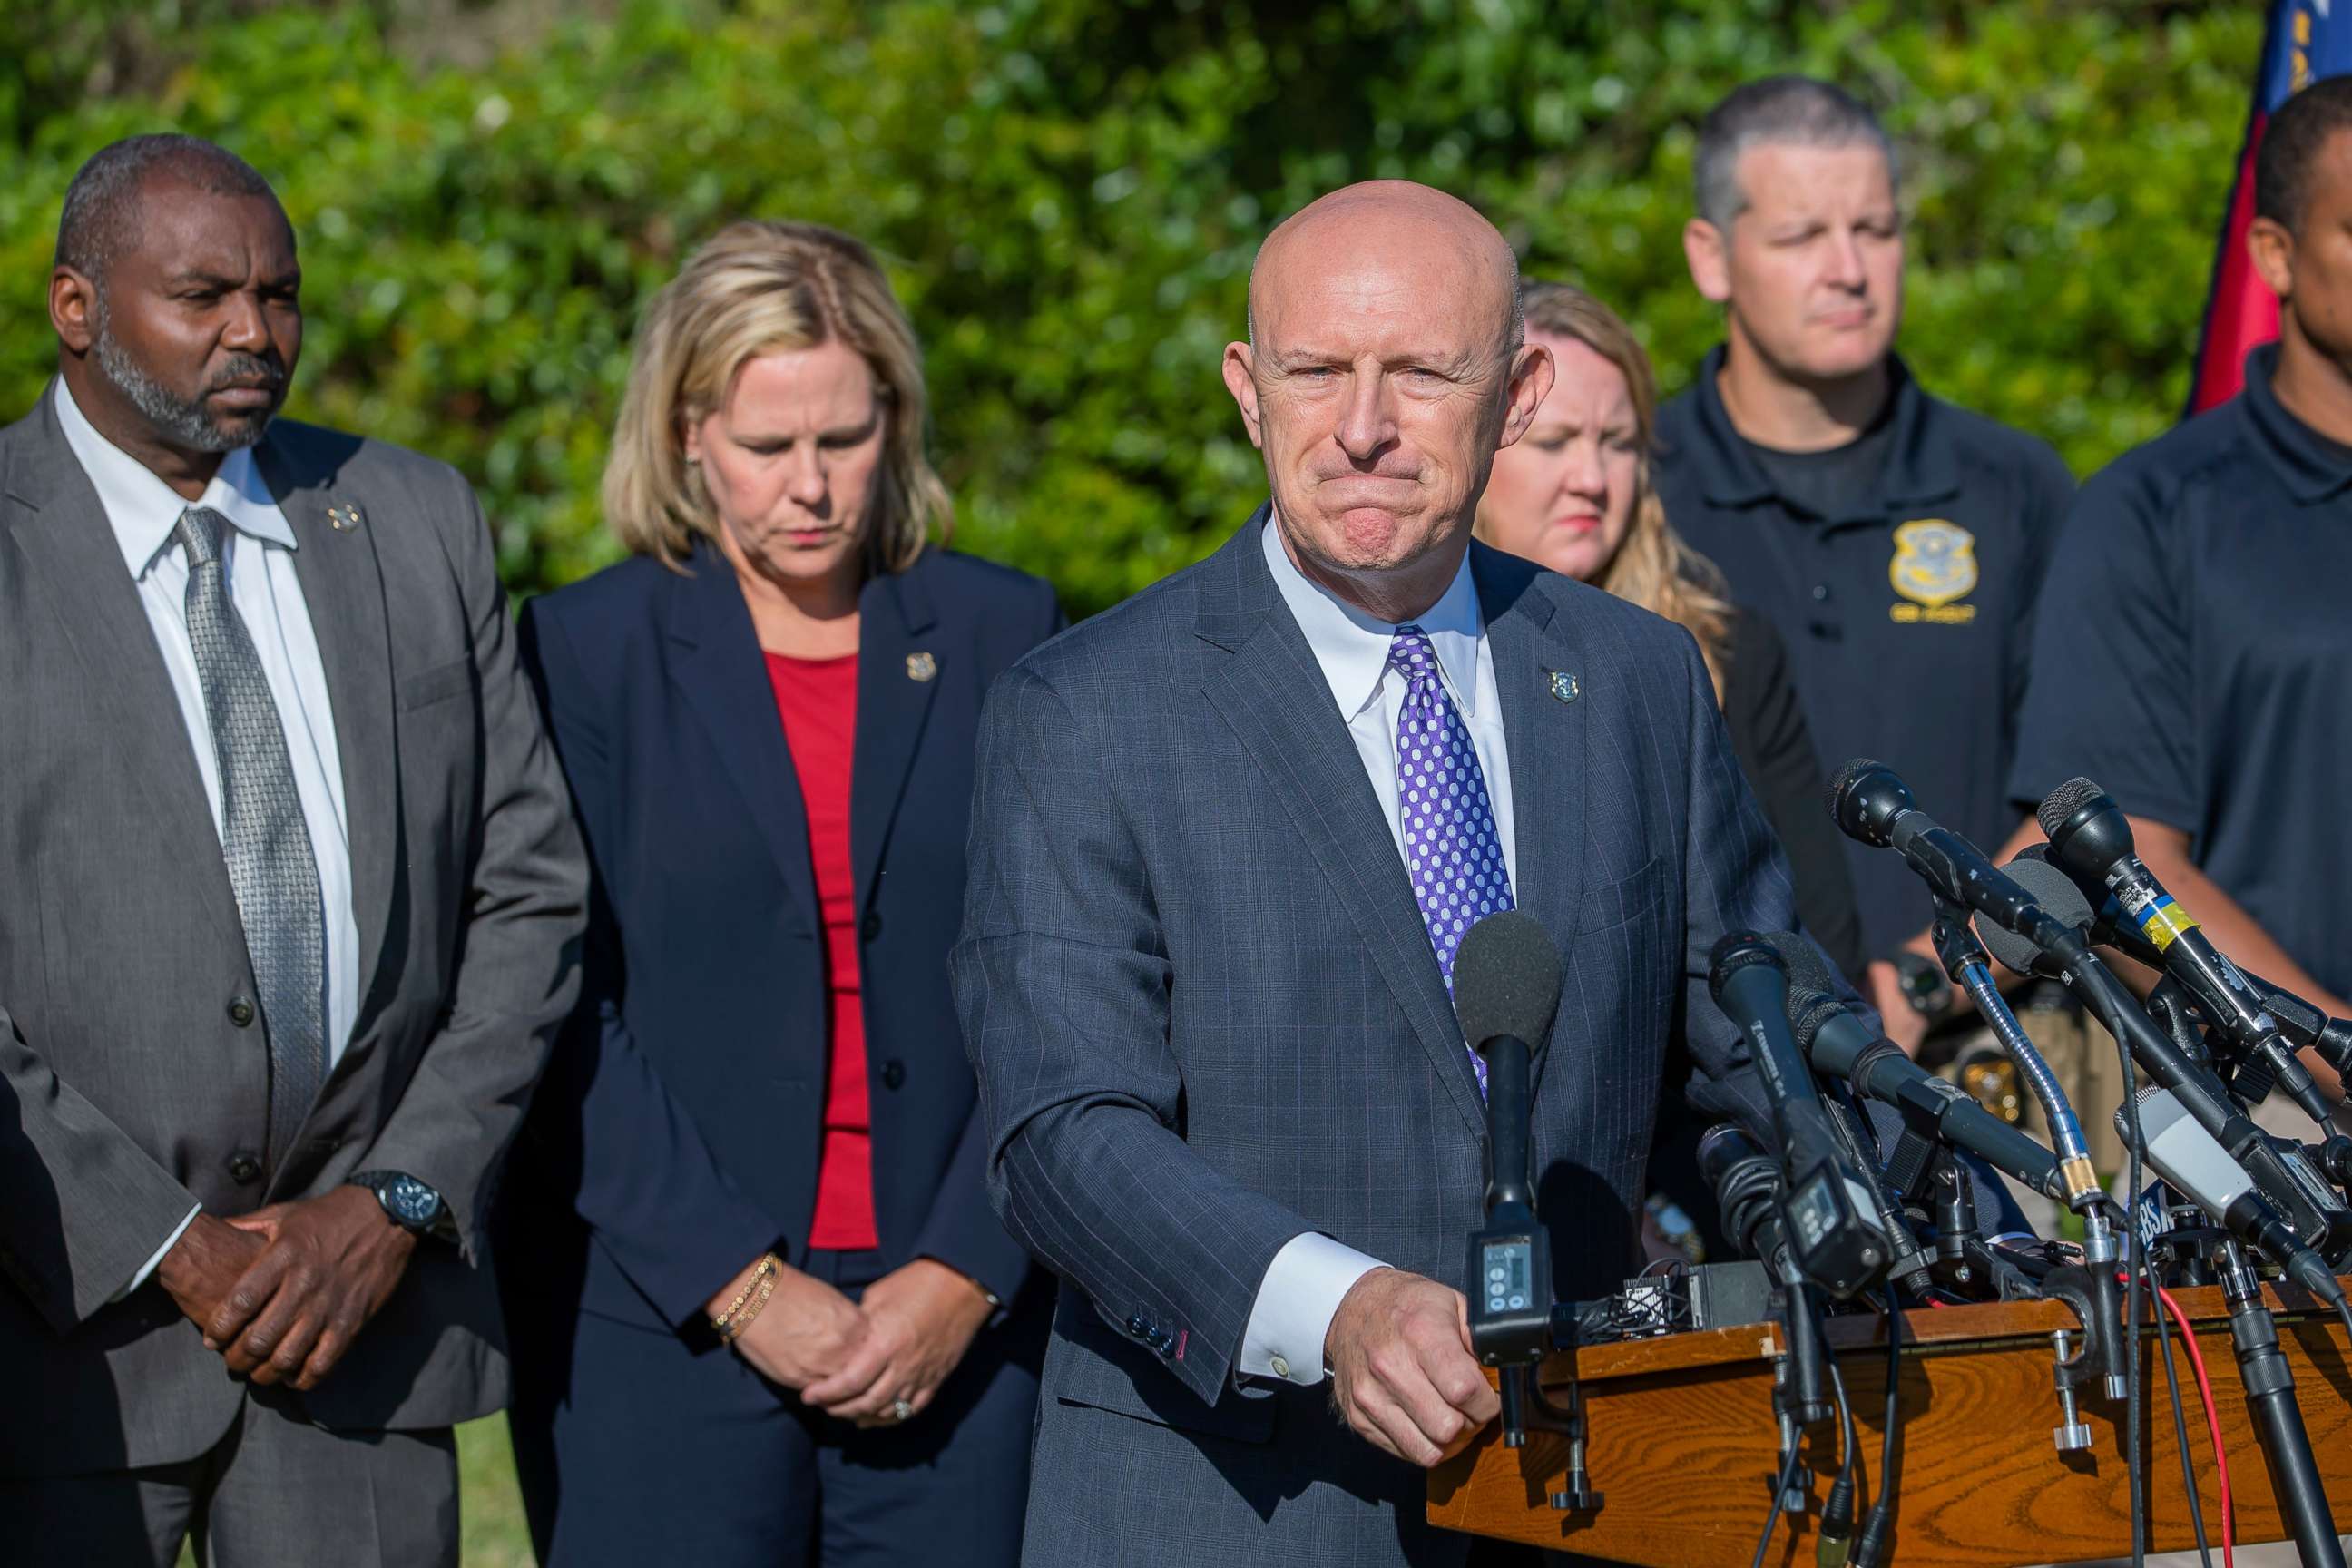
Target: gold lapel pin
(1563, 685)
(922, 667)
(344, 517)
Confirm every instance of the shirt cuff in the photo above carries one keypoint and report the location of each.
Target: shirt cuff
(149, 1267)
(1296, 1303)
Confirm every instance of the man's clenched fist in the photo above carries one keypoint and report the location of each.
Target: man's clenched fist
(1402, 1369)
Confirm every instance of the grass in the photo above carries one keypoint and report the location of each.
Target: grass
(490, 1508)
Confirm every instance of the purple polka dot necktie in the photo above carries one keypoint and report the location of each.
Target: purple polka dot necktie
(1451, 848)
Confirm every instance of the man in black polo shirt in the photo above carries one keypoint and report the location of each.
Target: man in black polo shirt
(1896, 543)
(2193, 652)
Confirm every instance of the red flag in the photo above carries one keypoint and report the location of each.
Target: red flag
(2306, 39)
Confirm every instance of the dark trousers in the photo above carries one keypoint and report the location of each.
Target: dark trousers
(274, 1492)
(659, 1452)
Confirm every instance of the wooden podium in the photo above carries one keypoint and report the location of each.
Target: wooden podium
(1682, 1444)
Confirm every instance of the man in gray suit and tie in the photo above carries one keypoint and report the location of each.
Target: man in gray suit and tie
(1227, 839)
(293, 893)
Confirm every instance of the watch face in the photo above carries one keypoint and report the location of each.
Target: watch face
(410, 1201)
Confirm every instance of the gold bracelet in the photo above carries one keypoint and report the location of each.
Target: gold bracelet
(741, 1320)
(764, 1272)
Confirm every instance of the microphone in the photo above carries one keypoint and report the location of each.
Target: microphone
(2280, 1167)
(2091, 840)
(1871, 803)
(2188, 1157)
(1506, 980)
(1832, 1242)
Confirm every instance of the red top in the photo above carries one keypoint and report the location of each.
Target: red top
(817, 699)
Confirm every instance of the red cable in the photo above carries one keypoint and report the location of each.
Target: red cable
(2212, 1418)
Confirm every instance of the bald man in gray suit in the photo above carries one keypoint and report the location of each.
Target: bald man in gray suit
(1227, 840)
(289, 891)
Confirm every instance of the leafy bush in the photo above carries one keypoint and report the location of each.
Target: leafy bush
(1070, 192)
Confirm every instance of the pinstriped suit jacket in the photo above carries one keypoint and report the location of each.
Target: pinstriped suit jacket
(1205, 1018)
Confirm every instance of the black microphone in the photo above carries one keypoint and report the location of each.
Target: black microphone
(1840, 1044)
(2188, 1157)
(1506, 979)
(1835, 1245)
(1871, 803)
(2091, 840)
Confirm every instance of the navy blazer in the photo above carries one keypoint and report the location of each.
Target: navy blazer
(682, 1119)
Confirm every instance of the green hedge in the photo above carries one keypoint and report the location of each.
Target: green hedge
(1070, 192)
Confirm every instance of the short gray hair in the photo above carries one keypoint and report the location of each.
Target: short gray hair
(1779, 110)
(102, 203)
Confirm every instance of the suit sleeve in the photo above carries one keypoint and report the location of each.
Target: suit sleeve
(643, 1177)
(962, 1229)
(1734, 878)
(518, 964)
(1775, 749)
(1062, 980)
(82, 1206)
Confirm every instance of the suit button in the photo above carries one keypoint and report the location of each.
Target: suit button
(1136, 1326)
(872, 927)
(894, 1073)
(240, 1011)
(244, 1167)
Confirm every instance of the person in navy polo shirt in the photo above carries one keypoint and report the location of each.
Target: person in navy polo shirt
(2193, 644)
(1894, 541)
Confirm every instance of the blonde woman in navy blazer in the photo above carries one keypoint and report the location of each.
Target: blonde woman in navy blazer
(760, 1308)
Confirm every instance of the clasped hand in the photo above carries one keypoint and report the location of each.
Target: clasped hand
(856, 1361)
(281, 1293)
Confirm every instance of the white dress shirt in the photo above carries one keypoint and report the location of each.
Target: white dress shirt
(1304, 1284)
(258, 556)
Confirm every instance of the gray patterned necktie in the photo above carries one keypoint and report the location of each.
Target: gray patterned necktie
(264, 838)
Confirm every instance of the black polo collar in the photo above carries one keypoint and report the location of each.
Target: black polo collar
(1921, 466)
(2312, 466)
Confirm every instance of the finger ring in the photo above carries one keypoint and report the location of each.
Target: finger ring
(900, 1410)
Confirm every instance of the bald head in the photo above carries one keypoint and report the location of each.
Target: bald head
(1386, 365)
(1387, 221)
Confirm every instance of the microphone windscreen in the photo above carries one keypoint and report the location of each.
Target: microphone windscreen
(1506, 980)
(1843, 781)
(2060, 899)
(2064, 802)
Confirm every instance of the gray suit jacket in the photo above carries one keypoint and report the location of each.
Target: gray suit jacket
(127, 1092)
(1206, 1017)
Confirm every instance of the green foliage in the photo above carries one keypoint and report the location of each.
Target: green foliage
(1070, 192)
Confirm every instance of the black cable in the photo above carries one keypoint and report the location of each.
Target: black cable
(1786, 1478)
(2135, 1264)
(2180, 1429)
(1837, 1513)
(1870, 1542)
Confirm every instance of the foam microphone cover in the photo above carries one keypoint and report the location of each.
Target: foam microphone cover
(2060, 899)
(1808, 970)
(1506, 980)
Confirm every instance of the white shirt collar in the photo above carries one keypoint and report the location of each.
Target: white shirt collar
(143, 509)
(1353, 649)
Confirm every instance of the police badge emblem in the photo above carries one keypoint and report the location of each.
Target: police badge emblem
(1935, 562)
(1563, 684)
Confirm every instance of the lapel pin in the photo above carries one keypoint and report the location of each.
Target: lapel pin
(344, 517)
(1563, 685)
(922, 667)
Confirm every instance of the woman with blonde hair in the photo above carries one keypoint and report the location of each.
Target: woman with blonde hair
(759, 1309)
(1574, 494)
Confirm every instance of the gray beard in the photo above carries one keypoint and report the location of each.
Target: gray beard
(185, 422)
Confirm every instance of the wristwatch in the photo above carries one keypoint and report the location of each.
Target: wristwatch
(413, 1205)
(1924, 986)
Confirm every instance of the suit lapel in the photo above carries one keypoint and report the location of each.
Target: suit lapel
(898, 676)
(1272, 694)
(719, 669)
(56, 522)
(342, 588)
(1546, 737)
